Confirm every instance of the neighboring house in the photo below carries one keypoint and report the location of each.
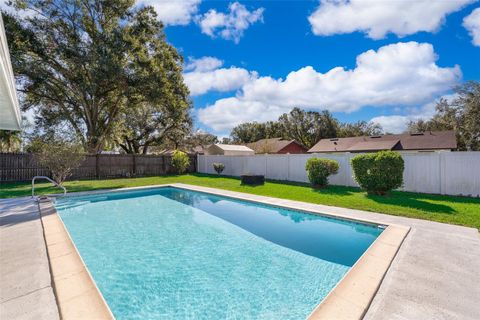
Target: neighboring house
(414, 142)
(229, 150)
(276, 145)
(10, 117)
(169, 152)
(198, 150)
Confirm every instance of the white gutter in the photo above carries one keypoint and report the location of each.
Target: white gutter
(10, 117)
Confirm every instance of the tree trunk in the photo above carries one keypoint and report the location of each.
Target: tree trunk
(145, 148)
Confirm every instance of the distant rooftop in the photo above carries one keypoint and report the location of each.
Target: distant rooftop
(233, 147)
(429, 140)
(272, 145)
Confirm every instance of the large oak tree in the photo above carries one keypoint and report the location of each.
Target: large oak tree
(359, 128)
(307, 127)
(96, 65)
(253, 131)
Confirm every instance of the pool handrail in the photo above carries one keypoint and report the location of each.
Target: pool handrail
(51, 180)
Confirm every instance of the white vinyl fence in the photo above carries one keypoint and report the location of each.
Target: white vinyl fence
(453, 173)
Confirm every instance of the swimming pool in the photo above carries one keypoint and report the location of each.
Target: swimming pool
(172, 253)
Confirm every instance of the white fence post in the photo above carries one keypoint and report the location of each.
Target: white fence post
(288, 166)
(266, 166)
(441, 176)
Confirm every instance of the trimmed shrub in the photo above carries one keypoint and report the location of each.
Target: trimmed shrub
(218, 167)
(180, 161)
(379, 172)
(319, 169)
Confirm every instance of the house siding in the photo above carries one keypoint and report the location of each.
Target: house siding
(293, 148)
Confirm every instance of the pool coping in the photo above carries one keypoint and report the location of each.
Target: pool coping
(76, 293)
(349, 299)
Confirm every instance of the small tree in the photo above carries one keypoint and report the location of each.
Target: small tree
(180, 161)
(218, 167)
(319, 169)
(61, 158)
(379, 172)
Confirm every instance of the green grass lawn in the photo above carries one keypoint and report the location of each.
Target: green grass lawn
(448, 209)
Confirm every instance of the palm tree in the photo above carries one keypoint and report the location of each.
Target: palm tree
(10, 141)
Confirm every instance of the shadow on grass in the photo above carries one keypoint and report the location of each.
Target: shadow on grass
(411, 200)
(213, 176)
(335, 191)
(328, 190)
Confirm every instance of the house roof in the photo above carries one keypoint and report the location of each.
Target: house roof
(169, 152)
(374, 145)
(429, 140)
(272, 145)
(232, 147)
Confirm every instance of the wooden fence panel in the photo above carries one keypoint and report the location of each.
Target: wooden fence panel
(16, 167)
(86, 170)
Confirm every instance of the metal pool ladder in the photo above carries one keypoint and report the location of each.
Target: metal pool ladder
(46, 178)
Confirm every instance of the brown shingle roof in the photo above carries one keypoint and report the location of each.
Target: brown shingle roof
(429, 140)
(374, 145)
(272, 145)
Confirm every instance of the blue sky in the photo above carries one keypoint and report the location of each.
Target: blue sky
(410, 54)
(385, 61)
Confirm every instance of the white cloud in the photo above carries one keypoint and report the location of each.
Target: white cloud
(472, 24)
(394, 123)
(231, 25)
(204, 75)
(173, 12)
(223, 80)
(229, 112)
(402, 74)
(378, 18)
(398, 123)
(203, 64)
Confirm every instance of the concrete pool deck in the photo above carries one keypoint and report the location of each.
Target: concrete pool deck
(434, 275)
(25, 283)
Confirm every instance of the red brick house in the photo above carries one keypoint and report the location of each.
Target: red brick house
(276, 146)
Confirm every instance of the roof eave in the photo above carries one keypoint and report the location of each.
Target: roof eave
(11, 118)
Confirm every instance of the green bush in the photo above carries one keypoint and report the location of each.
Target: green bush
(180, 161)
(319, 169)
(60, 157)
(379, 172)
(218, 167)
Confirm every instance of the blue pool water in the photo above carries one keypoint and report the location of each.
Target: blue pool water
(169, 253)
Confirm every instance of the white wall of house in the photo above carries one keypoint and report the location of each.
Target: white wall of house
(231, 151)
(10, 117)
(238, 153)
(453, 173)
